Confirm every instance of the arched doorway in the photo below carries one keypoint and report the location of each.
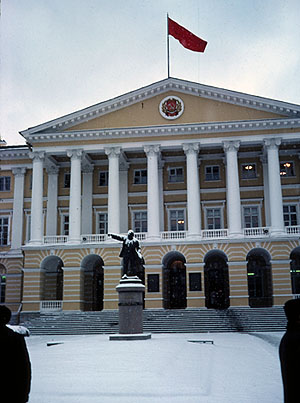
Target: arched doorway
(2, 283)
(92, 283)
(52, 279)
(174, 281)
(216, 280)
(260, 286)
(295, 270)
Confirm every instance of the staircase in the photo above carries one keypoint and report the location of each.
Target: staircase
(191, 320)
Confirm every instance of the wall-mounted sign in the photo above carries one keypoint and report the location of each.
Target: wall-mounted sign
(171, 107)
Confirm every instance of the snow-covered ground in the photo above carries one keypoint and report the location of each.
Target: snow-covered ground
(237, 368)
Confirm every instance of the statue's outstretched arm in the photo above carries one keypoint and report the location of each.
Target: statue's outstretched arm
(117, 237)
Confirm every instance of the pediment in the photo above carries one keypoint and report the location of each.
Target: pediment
(140, 108)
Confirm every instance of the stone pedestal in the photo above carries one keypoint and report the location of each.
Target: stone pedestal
(130, 292)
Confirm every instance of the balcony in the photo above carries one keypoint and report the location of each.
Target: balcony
(205, 235)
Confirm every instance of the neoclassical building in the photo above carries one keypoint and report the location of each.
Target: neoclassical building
(208, 179)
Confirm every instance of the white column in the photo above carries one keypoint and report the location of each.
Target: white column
(266, 190)
(51, 217)
(234, 219)
(193, 190)
(152, 152)
(87, 199)
(17, 219)
(276, 206)
(161, 194)
(75, 196)
(113, 209)
(37, 198)
(123, 196)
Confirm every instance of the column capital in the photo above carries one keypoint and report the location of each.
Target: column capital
(37, 155)
(272, 143)
(112, 151)
(191, 148)
(231, 145)
(152, 149)
(75, 154)
(19, 171)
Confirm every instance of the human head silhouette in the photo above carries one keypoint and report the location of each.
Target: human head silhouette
(5, 315)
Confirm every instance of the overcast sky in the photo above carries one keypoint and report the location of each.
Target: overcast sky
(58, 56)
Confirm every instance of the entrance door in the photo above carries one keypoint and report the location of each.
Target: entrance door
(216, 280)
(174, 281)
(92, 284)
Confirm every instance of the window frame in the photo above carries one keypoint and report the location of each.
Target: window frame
(198, 273)
(153, 275)
(289, 213)
(105, 173)
(220, 208)
(135, 176)
(63, 215)
(258, 214)
(67, 182)
(207, 179)
(133, 220)
(8, 217)
(6, 186)
(244, 165)
(292, 168)
(172, 209)
(98, 221)
(176, 175)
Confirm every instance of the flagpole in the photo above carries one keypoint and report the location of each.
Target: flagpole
(168, 50)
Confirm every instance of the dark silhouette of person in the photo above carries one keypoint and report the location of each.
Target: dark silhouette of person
(289, 352)
(15, 373)
(130, 253)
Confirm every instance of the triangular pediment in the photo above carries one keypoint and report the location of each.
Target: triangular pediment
(140, 108)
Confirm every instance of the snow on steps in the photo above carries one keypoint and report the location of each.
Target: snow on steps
(191, 320)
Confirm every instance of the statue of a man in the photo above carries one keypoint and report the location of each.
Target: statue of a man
(132, 260)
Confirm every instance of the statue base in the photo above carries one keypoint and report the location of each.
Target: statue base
(130, 292)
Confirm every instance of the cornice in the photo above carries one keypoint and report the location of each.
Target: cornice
(14, 153)
(169, 130)
(162, 87)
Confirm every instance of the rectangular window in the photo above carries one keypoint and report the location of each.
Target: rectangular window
(153, 282)
(4, 183)
(140, 221)
(213, 218)
(175, 175)
(67, 180)
(140, 176)
(2, 288)
(176, 220)
(251, 217)
(195, 281)
(102, 223)
(248, 171)
(212, 173)
(290, 215)
(65, 224)
(287, 169)
(4, 230)
(103, 178)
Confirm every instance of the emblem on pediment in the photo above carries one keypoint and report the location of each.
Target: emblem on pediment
(171, 107)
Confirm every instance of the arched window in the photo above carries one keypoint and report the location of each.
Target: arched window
(295, 270)
(52, 279)
(216, 280)
(2, 283)
(174, 281)
(92, 283)
(260, 286)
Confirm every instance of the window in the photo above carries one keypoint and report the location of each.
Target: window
(248, 171)
(153, 282)
(175, 175)
(251, 217)
(212, 173)
(140, 221)
(290, 215)
(5, 183)
(102, 224)
(213, 218)
(195, 281)
(67, 180)
(103, 178)
(140, 176)
(2, 288)
(287, 169)
(65, 224)
(4, 230)
(176, 220)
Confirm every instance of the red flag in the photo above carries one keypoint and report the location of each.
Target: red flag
(185, 37)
